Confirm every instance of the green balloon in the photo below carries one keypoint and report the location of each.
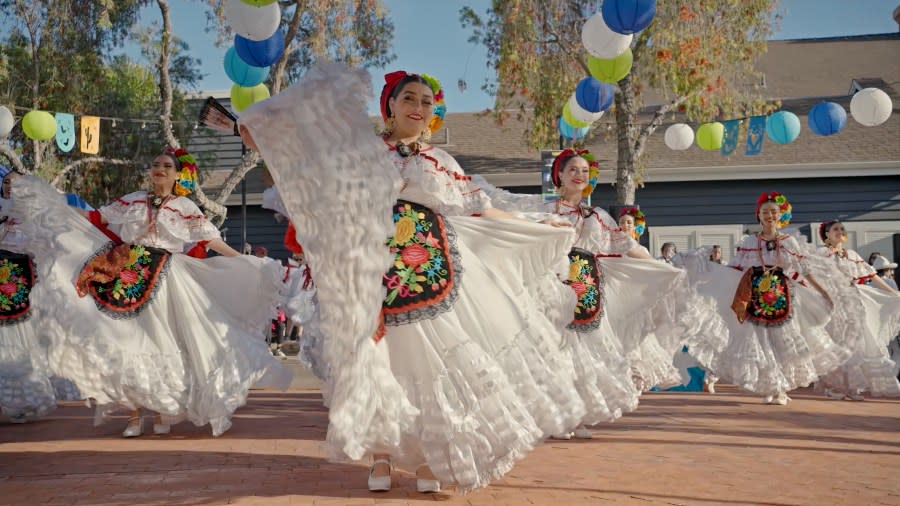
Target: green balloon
(242, 98)
(612, 70)
(571, 120)
(39, 125)
(258, 3)
(709, 136)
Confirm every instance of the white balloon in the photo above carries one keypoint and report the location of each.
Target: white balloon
(582, 114)
(871, 107)
(7, 121)
(679, 137)
(251, 22)
(601, 41)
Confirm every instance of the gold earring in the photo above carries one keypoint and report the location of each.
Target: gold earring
(426, 135)
(389, 126)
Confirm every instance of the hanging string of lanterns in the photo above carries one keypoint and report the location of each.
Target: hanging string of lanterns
(258, 44)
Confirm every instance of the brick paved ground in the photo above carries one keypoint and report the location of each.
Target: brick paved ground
(697, 449)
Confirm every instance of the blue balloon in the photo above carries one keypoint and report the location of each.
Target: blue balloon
(783, 127)
(569, 132)
(241, 73)
(593, 95)
(628, 16)
(827, 118)
(260, 53)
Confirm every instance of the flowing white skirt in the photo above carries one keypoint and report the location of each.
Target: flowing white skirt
(26, 390)
(760, 359)
(467, 392)
(191, 354)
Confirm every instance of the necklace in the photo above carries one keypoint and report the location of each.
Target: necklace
(156, 203)
(771, 245)
(406, 150)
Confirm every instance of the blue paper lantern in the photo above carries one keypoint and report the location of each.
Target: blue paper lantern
(593, 95)
(260, 53)
(628, 16)
(827, 118)
(783, 127)
(242, 74)
(571, 133)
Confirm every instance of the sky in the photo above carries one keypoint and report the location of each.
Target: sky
(438, 45)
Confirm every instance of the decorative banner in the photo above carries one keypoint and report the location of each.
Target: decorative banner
(730, 139)
(90, 135)
(65, 131)
(756, 134)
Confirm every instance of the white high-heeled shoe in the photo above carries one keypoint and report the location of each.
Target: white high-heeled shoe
(427, 486)
(134, 430)
(583, 433)
(161, 428)
(380, 483)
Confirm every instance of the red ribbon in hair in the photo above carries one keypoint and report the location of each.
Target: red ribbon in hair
(562, 158)
(390, 81)
(765, 197)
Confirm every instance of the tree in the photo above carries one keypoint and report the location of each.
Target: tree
(698, 55)
(354, 31)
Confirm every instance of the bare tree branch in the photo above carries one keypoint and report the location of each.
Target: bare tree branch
(658, 117)
(13, 158)
(289, 36)
(165, 83)
(78, 163)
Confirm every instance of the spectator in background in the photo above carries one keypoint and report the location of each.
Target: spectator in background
(279, 324)
(668, 250)
(261, 252)
(873, 256)
(885, 270)
(715, 255)
(247, 249)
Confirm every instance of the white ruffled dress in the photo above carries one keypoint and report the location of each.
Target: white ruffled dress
(196, 346)
(468, 388)
(876, 322)
(767, 359)
(26, 389)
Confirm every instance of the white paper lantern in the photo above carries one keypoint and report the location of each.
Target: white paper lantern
(580, 113)
(679, 137)
(602, 42)
(251, 22)
(871, 107)
(7, 121)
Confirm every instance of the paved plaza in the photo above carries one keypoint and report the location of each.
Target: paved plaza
(677, 448)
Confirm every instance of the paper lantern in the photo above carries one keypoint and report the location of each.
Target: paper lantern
(783, 127)
(241, 73)
(580, 114)
(709, 136)
(7, 121)
(260, 53)
(602, 42)
(871, 107)
(571, 119)
(569, 132)
(594, 96)
(259, 3)
(242, 97)
(628, 16)
(679, 136)
(611, 71)
(826, 118)
(39, 125)
(251, 21)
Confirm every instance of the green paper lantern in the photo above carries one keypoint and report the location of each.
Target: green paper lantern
(709, 136)
(612, 70)
(572, 120)
(39, 125)
(242, 98)
(258, 3)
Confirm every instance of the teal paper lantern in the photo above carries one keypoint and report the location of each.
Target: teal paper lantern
(783, 127)
(569, 132)
(241, 73)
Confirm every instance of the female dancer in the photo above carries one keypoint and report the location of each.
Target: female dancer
(775, 309)
(870, 368)
(145, 325)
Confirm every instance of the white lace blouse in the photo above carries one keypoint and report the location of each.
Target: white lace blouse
(179, 222)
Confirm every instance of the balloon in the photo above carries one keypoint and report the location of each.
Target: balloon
(602, 42)
(869, 107)
(679, 137)
(709, 136)
(783, 127)
(628, 16)
(242, 74)
(7, 121)
(260, 53)
(39, 125)
(580, 114)
(572, 120)
(242, 98)
(569, 132)
(594, 96)
(252, 22)
(826, 118)
(611, 71)
(259, 3)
